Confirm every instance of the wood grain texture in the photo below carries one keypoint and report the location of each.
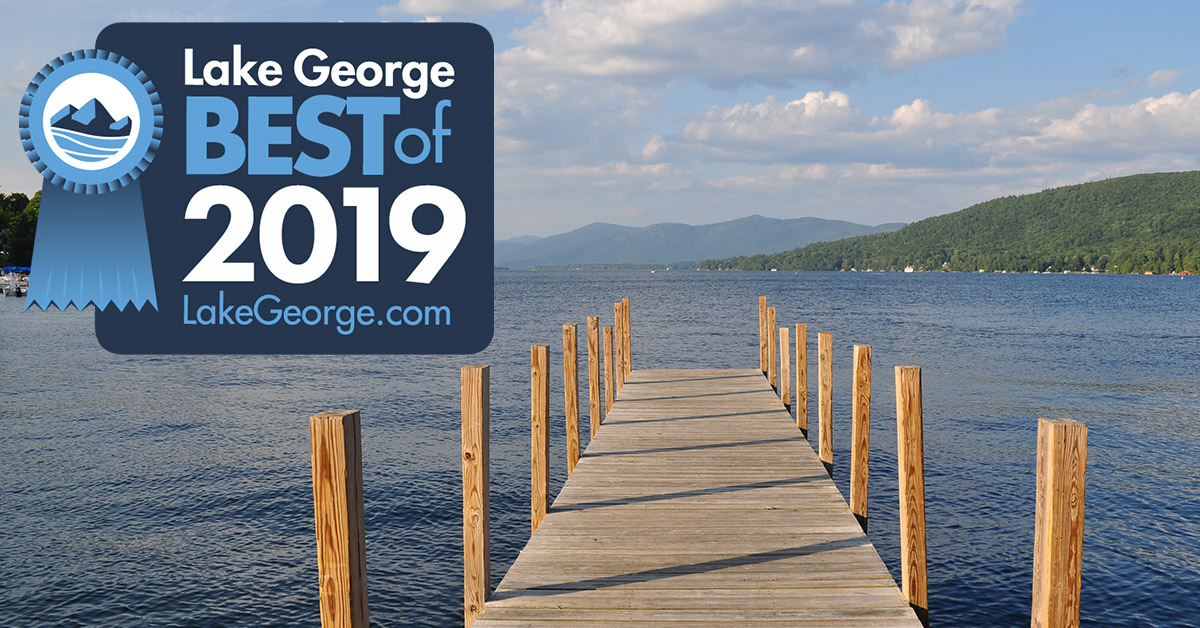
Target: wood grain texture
(772, 351)
(619, 343)
(825, 400)
(1058, 536)
(785, 368)
(476, 474)
(609, 385)
(697, 505)
(336, 442)
(539, 414)
(802, 378)
(593, 358)
(910, 462)
(571, 393)
(628, 328)
(860, 433)
(762, 334)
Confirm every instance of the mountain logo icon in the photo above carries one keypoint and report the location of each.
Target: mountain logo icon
(91, 121)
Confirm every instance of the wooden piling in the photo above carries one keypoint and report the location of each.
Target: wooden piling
(593, 355)
(1058, 536)
(619, 343)
(628, 329)
(772, 366)
(802, 378)
(785, 372)
(336, 443)
(860, 433)
(609, 385)
(539, 412)
(911, 464)
(762, 334)
(825, 400)
(477, 525)
(571, 393)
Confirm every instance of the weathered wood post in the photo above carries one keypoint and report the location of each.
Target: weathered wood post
(785, 372)
(593, 349)
(539, 413)
(802, 378)
(619, 344)
(1058, 536)
(911, 464)
(772, 366)
(477, 520)
(825, 402)
(762, 334)
(628, 353)
(571, 393)
(336, 442)
(860, 433)
(609, 385)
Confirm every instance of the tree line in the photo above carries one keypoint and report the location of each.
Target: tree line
(18, 225)
(1130, 224)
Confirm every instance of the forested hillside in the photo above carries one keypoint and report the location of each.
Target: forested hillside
(1148, 222)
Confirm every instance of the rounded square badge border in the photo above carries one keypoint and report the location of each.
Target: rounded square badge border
(465, 285)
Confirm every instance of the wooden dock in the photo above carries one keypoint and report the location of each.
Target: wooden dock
(698, 503)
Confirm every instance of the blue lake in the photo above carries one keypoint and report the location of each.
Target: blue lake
(176, 490)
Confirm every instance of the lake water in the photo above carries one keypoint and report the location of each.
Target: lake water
(176, 490)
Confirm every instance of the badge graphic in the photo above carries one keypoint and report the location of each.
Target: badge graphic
(91, 123)
(269, 188)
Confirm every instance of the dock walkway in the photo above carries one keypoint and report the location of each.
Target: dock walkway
(698, 503)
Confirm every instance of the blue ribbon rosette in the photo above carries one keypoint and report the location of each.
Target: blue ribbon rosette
(91, 122)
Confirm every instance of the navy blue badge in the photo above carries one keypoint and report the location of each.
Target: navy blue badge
(278, 188)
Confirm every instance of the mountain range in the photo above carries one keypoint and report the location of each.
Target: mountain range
(92, 118)
(667, 243)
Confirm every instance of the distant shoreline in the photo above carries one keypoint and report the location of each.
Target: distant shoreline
(685, 269)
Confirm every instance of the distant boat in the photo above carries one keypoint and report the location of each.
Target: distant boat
(908, 269)
(774, 270)
(15, 281)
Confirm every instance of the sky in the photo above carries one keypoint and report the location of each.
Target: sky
(638, 112)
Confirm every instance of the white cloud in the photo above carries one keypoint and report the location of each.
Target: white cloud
(926, 30)
(567, 119)
(1163, 78)
(588, 73)
(729, 43)
(815, 113)
(1152, 125)
(776, 176)
(451, 7)
(829, 129)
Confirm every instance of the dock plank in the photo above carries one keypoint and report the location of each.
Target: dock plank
(698, 504)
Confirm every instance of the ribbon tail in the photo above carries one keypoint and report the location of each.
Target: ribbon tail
(91, 249)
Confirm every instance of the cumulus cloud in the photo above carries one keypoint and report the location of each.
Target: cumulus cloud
(729, 43)
(926, 30)
(1163, 78)
(587, 73)
(1152, 125)
(829, 129)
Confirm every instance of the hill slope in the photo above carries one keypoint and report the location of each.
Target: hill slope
(666, 243)
(1147, 222)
